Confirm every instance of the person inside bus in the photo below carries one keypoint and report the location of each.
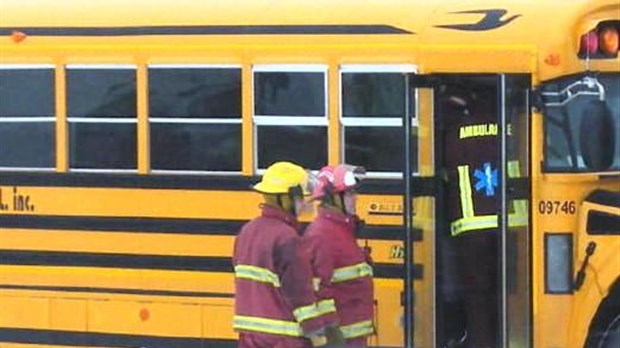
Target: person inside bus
(342, 270)
(472, 175)
(275, 304)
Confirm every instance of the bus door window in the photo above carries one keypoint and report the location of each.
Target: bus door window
(373, 104)
(467, 252)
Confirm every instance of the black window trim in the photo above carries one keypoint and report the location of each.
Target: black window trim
(32, 119)
(196, 120)
(352, 121)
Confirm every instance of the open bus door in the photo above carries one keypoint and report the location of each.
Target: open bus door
(437, 310)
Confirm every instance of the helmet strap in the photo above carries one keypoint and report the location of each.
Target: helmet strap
(341, 203)
(334, 201)
(281, 200)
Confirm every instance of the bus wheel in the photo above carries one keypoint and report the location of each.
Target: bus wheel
(610, 337)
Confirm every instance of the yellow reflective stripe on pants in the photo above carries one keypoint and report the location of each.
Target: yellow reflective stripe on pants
(314, 310)
(473, 223)
(467, 204)
(272, 326)
(351, 272)
(362, 328)
(258, 274)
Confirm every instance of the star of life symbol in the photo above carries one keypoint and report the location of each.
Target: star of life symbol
(487, 179)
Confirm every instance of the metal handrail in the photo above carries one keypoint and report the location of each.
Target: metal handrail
(596, 89)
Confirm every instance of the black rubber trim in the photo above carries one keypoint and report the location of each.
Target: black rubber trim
(603, 197)
(92, 339)
(602, 223)
(117, 291)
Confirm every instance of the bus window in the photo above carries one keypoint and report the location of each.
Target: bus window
(290, 114)
(101, 110)
(27, 117)
(195, 118)
(566, 115)
(373, 104)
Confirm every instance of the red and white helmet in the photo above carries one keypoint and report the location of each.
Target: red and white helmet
(334, 179)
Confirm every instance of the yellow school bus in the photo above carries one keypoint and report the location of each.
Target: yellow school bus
(130, 132)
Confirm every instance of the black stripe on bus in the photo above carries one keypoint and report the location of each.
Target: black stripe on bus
(159, 262)
(157, 181)
(143, 292)
(421, 186)
(165, 225)
(123, 224)
(396, 271)
(92, 339)
(308, 29)
(151, 181)
(131, 261)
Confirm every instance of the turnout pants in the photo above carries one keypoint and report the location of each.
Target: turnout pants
(478, 270)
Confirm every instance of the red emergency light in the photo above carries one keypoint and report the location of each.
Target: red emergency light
(600, 42)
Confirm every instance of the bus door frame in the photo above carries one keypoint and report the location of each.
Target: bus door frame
(431, 186)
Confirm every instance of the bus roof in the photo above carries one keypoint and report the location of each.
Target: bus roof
(544, 27)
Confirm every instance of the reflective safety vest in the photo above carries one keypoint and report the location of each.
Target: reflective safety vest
(471, 222)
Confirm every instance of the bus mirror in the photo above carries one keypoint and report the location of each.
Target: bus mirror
(597, 136)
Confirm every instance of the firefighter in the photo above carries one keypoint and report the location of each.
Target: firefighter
(342, 270)
(275, 305)
(471, 162)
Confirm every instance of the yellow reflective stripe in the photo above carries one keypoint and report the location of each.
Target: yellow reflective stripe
(470, 222)
(362, 328)
(316, 284)
(473, 223)
(467, 204)
(513, 169)
(351, 272)
(272, 326)
(520, 205)
(314, 310)
(258, 274)
(519, 218)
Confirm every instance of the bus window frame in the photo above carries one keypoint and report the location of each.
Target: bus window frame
(112, 120)
(196, 120)
(353, 121)
(284, 120)
(35, 119)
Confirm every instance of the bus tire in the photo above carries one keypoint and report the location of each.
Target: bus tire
(604, 329)
(610, 338)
